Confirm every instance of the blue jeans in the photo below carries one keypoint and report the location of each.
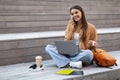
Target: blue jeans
(85, 56)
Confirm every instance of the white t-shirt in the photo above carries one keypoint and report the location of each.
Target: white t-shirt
(76, 38)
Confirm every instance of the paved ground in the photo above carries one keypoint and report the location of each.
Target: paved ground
(22, 72)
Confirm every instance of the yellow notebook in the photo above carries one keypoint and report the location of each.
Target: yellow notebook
(65, 71)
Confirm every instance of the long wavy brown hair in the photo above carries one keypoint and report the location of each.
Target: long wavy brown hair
(83, 21)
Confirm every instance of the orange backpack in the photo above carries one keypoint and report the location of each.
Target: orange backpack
(103, 58)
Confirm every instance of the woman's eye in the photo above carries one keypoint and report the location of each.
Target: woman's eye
(76, 12)
(71, 13)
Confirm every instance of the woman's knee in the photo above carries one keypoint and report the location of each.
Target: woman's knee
(89, 52)
(48, 47)
(88, 57)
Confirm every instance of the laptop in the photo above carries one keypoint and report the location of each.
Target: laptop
(67, 47)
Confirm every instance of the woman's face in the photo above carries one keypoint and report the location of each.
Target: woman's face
(76, 14)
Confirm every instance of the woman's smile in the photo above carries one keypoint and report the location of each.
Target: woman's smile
(76, 18)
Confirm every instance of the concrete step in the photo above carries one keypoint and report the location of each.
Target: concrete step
(92, 72)
(51, 25)
(23, 47)
(59, 2)
(39, 8)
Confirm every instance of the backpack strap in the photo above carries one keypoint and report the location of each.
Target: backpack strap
(116, 64)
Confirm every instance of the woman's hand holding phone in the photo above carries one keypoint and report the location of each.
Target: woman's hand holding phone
(71, 24)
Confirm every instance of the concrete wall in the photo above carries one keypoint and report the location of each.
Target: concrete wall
(19, 16)
(45, 15)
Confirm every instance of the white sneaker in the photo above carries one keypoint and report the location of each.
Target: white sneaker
(77, 64)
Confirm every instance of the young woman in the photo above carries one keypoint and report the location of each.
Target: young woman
(83, 33)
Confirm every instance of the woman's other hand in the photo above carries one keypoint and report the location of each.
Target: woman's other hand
(92, 43)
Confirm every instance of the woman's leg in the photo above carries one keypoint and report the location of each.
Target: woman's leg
(59, 59)
(85, 56)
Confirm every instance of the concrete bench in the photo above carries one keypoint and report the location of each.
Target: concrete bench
(92, 72)
(23, 47)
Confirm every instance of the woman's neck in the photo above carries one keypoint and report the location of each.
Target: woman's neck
(79, 23)
(78, 26)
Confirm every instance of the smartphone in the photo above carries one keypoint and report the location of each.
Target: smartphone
(78, 73)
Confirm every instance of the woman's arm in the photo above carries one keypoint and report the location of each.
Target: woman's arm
(69, 30)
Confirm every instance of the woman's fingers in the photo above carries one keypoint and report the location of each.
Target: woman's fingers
(92, 43)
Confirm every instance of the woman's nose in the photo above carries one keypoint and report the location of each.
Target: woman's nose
(73, 15)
